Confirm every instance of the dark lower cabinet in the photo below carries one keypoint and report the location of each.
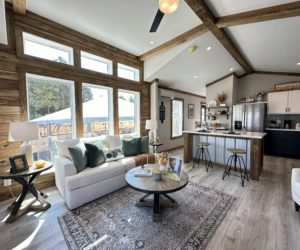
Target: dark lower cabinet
(283, 143)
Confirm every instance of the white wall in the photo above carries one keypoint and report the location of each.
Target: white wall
(250, 85)
(164, 129)
(225, 85)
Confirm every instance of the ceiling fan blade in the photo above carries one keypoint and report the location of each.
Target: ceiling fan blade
(158, 17)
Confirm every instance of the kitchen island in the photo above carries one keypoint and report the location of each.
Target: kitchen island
(251, 142)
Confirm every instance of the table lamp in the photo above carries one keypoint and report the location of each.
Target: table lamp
(24, 131)
(151, 125)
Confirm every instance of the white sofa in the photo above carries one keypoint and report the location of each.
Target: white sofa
(296, 187)
(92, 183)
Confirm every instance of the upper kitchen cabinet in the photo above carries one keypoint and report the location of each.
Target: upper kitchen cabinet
(294, 102)
(278, 102)
(285, 102)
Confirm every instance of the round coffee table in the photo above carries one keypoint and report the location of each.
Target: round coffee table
(156, 188)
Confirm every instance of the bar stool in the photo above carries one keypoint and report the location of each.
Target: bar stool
(202, 153)
(236, 156)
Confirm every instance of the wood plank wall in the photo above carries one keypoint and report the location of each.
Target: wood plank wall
(14, 65)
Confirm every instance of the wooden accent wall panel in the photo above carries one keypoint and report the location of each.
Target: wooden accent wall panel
(14, 65)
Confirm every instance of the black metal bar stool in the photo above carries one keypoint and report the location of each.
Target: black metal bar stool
(202, 153)
(236, 156)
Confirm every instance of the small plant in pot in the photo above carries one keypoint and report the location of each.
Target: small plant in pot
(157, 174)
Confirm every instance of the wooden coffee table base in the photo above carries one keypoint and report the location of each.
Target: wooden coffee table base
(156, 203)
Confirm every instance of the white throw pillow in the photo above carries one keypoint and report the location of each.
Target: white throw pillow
(62, 147)
(113, 141)
(95, 139)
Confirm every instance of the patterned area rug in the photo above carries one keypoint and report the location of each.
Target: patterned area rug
(113, 221)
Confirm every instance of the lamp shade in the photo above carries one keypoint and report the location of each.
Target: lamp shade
(168, 6)
(151, 124)
(23, 131)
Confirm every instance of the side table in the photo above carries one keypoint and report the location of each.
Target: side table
(155, 145)
(26, 179)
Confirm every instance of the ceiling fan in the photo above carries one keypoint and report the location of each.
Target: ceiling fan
(164, 7)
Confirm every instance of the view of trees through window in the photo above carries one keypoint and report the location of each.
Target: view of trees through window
(50, 102)
(129, 116)
(97, 110)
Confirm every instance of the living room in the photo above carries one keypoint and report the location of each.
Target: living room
(168, 124)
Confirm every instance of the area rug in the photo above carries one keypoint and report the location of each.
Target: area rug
(113, 221)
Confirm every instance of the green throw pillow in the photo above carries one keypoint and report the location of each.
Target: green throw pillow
(79, 157)
(145, 144)
(132, 147)
(95, 155)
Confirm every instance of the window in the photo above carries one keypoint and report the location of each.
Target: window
(128, 72)
(177, 118)
(203, 113)
(129, 112)
(46, 49)
(50, 102)
(97, 110)
(96, 63)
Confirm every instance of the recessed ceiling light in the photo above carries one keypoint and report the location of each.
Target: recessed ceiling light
(208, 48)
(231, 69)
(195, 77)
(298, 63)
(151, 42)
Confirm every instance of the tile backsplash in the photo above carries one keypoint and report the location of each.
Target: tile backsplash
(280, 119)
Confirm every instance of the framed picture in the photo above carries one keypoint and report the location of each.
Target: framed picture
(174, 168)
(191, 110)
(18, 164)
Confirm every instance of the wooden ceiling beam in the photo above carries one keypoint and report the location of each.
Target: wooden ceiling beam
(186, 36)
(19, 6)
(204, 13)
(260, 15)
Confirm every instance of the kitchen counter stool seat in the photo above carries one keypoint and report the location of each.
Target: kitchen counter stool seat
(236, 156)
(202, 153)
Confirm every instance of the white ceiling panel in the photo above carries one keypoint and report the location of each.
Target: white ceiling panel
(206, 65)
(272, 45)
(229, 7)
(124, 24)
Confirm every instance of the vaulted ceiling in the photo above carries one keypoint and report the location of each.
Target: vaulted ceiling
(265, 40)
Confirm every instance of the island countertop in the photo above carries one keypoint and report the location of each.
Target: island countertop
(242, 135)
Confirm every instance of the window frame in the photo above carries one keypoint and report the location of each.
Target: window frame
(48, 43)
(73, 101)
(110, 106)
(136, 72)
(97, 58)
(137, 110)
(179, 136)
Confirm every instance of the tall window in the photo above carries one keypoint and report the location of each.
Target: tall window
(127, 72)
(177, 118)
(46, 49)
(97, 110)
(51, 103)
(96, 63)
(129, 112)
(203, 113)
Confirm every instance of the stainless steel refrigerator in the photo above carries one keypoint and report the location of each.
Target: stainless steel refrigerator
(251, 116)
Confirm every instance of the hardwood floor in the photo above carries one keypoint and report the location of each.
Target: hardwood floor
(263, 216)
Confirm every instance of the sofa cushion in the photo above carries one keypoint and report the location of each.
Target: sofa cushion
(145, 144)
(92, 175)
(62, 147)
(100, 141)
(113, 141)
(132, 147)
(79, 156)
(94, 154)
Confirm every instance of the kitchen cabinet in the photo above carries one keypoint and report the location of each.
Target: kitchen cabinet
(283, 143)
(294, 102)
(284, 102)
